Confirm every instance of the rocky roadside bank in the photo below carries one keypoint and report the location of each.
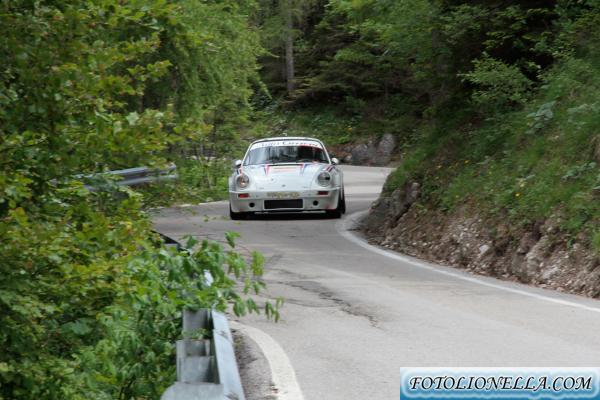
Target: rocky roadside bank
(540, 255)
(376, 151)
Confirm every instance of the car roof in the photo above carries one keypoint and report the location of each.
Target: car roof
(288, 138)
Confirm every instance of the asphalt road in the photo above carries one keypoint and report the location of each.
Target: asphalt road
(354, 316)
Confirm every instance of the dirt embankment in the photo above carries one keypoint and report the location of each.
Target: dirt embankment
(541, 255)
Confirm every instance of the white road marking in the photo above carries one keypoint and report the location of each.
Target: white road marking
(344, 225)
(282, 372)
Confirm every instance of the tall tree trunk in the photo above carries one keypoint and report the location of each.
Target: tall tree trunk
(289, 47)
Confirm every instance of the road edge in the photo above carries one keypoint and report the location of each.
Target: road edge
(347, 225)
(283, 375)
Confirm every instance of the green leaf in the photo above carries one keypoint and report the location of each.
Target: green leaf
(230, 237)
(79, 327)
(132, 118)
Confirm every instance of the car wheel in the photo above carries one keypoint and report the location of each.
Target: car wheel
(340, 209)
(342, 206)
(236, 216)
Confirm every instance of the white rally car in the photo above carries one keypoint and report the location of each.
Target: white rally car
(286, 174)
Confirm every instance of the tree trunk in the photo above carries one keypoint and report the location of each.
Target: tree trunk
(289, 47)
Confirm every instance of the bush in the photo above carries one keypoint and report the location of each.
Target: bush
(134, 358)
(88, 305)
(526, 164)
(198, 181)
(498, 86)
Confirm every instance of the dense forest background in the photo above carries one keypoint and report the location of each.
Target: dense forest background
(494, 104)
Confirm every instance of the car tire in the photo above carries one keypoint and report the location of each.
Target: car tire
(236, 216)
(340, 209)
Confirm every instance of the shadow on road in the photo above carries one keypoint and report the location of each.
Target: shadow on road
(288, 216)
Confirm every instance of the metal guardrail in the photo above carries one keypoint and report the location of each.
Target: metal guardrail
(134, 176)
(206, 368)
(141, 175)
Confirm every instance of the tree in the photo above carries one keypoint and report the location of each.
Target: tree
(289, 46)
(86, 86)
(283, 23)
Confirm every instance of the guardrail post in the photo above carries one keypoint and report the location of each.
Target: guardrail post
(206, 368)
(227, 369)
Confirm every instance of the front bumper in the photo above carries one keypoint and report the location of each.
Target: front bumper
(269, 201)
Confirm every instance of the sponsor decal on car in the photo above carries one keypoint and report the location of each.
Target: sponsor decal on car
(275, 169)
(283, 168)
(283, 195)
(274, 143)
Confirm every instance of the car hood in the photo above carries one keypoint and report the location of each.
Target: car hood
(284, 176)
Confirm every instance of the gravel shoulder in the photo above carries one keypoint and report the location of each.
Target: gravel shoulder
(254, 369)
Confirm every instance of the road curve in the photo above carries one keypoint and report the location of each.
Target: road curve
(353, 316)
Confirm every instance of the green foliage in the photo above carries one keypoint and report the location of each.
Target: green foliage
(135, 357)
(66, 88)
(198, 181)
(88, 307)
(406, 170)
(58, 269)
(282, 22)
(419, 49)
(527, 164)
(85, 314)
(84, 324)
(494, 103)
(325, 124)
(378, 48)
(541, 118)
(499, 86)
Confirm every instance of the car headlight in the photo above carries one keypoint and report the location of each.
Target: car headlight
(324, 178)
(242, 181)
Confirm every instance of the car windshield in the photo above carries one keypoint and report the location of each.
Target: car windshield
(285, 154)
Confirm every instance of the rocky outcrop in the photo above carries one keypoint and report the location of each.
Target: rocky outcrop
(385, 148)
(541, 255)
(375, 151)
(362, 154)
(386, 211)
